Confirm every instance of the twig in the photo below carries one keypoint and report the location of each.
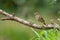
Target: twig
(22, 21)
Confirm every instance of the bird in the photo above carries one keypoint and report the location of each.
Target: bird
(39, 18)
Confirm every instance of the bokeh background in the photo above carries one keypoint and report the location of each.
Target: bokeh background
(25, 9)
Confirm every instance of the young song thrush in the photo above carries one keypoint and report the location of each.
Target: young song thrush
(39, 18)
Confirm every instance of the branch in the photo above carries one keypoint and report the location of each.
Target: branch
(27, 23)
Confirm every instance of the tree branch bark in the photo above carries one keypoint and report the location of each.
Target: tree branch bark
(27, 23)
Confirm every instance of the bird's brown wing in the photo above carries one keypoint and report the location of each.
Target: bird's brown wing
(42, 20)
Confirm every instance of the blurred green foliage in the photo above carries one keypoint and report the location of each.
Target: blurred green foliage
(25, 9)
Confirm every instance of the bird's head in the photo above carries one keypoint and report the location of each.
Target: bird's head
(36, 13)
